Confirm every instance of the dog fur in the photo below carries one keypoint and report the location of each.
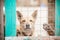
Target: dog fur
(49, 29)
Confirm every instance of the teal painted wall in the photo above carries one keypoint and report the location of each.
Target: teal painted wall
(57, 18)
(10, 13)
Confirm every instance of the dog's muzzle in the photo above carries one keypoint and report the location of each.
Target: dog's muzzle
(27, 26)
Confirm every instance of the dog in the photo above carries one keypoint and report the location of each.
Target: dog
(26, 27)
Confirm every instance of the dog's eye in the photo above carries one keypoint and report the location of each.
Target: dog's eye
(23, 20)
(30, 20)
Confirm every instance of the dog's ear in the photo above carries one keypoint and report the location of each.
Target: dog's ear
(19, 14)
(34, 14)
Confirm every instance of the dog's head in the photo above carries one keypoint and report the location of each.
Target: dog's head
(27, 23)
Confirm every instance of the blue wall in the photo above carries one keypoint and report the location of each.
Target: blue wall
(10, 11)
(57, 18)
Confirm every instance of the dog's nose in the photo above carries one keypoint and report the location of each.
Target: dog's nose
(27, 26)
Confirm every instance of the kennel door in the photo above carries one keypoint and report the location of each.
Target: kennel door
(57, 18)
(10, 11)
